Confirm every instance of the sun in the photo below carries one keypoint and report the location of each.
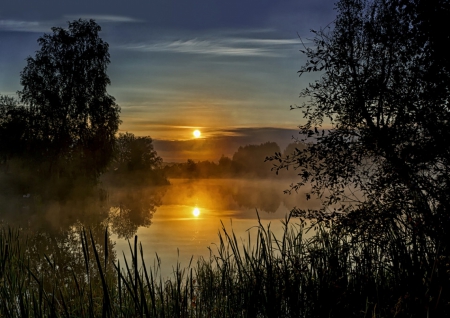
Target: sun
(197, 133)
(196, 212)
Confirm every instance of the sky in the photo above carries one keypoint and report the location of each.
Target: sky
(228, 68)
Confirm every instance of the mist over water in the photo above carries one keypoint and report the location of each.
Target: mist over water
(190, 216)
(176, 221)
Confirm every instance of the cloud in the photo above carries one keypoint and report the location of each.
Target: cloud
(105, 18)
(23, 26)
(45, 26)
(195, 46)
(224, 141)
(267, 42)
(227, 46)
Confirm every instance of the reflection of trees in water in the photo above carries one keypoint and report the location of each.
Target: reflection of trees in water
(222, 194)
(265, 199)
(133, 209)
(267, 196)
(38, 215)
(60, 255)
(53, 229)
(125, 209)
(234, 194)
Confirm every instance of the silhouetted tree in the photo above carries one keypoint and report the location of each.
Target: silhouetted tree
(136, 160)
(249, 160)
(13, 122)
(136, 153)
(72, 119)
(293, 148)
(384, 88)
(191, 168)
(226, 166)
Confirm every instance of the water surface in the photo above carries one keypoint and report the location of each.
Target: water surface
(192, 211)
(176, 222)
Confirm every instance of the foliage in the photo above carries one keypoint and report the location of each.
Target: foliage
(135, 153)
(14, 119)
(293, 148)
(70, 118)
(247, 161)
(136, 160)
(385, 88)
(328, 275)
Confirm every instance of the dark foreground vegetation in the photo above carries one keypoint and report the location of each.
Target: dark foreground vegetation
(375, 153)
(328, 275)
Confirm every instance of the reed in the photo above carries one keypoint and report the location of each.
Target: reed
(329, 275)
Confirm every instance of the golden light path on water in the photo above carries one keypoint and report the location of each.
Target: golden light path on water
(192, 214)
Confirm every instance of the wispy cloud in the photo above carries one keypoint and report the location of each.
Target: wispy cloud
(195, 46)
(225, 46)
(105, 18)
(22, 26)
(45, 26)
(266, 42)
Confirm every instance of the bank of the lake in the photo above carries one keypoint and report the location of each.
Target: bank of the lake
(328, 275)
(67, 260)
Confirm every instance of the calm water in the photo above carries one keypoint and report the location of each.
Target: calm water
(176, 221)
(191, 211)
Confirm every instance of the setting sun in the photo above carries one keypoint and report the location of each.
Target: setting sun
(196, 212)
(197, 133)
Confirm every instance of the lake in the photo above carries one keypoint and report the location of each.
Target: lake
(176, 221)
(191, 211)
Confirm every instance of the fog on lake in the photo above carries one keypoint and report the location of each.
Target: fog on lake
(177, 221)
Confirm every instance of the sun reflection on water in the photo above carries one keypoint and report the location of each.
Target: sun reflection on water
(196, 212)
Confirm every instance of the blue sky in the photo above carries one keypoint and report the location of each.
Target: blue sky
(228, 68)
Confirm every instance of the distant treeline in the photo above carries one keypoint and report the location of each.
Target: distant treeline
(135, 161)
(248, 162)
(60, 134)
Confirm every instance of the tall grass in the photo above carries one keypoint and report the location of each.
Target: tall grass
(328, 275)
